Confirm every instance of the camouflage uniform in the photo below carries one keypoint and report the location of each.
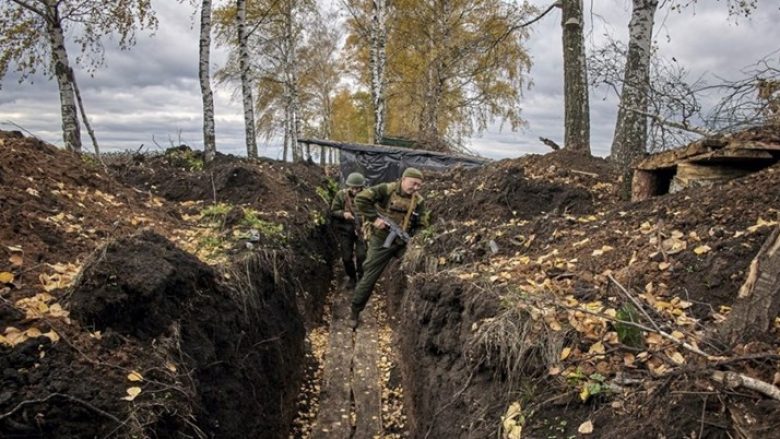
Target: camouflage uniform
(350, 237)
(405, 210)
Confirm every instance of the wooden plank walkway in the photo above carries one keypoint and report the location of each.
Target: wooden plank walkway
(350, 396)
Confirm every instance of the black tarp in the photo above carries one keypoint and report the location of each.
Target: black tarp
(380, 163)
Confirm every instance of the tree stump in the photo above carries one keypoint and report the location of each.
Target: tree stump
(758, 302)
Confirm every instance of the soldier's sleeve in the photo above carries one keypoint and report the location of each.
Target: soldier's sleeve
(366, 200)
(337, 206)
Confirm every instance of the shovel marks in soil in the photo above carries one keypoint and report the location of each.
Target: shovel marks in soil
(350, 403)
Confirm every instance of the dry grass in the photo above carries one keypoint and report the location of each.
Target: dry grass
(516, 344)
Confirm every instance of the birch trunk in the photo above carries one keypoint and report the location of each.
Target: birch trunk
(292, 124)
(246, 85)
(434, 87)
(631, 127)
(84, 119)
(209, 139)
(575, 82)
(71, 131)
(378, 36)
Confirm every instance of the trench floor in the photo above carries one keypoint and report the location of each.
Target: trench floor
(350, 402)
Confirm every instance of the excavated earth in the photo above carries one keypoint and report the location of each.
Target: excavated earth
(153, 296)
(507, 303)
(112, 324)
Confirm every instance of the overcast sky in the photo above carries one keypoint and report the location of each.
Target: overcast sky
(151, 93)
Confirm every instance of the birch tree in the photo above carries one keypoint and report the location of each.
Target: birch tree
(289, 47)
(33, 36)
(369, 23)
(452, 67)
(320, 70)
(631, 128)
(378, 37)
(274, 38)
(575, 72)
(246, 84)
(209, 138)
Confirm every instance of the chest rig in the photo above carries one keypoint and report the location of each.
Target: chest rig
(401, 208)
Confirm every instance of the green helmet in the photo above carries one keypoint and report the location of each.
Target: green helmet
(356, 179)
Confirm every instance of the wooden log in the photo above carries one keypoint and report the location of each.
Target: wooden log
(366, 385)
(333, 420)
(669, 159)
(644, 184)
(732, 155)
(758, 302)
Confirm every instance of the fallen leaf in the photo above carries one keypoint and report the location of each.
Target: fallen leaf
(132, 392)
(16, 260)
(585, 428)
(596, 348)
(677, 358)
(52, 335)
(6, 277)
(565, 353)
(702, 249)
(664, 266)
(135, 376)
(170, 366)
(513, 421)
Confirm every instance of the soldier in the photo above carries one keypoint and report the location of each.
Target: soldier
(346, 223)
(402, 204)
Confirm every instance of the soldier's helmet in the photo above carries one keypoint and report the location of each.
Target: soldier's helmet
(356, 179)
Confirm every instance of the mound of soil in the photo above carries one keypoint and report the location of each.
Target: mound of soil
(138, 285)
(268, 185)
(524, 188)
(57, 206)
(220, 350)
(463, 317)
(198, 343)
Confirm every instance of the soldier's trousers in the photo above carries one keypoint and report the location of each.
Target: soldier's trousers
(377, 260)
(351, 246)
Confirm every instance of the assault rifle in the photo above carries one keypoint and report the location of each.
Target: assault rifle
(395, 232)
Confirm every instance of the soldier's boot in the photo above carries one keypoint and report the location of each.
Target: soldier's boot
(349, 268)
(354, 318)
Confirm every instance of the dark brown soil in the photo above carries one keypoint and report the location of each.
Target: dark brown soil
(503, 190)
(220, 348)
(538, 207)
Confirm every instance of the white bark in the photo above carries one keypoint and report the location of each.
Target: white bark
(246, 85)
(378, 36)
(209, 140)
(631, 128)
(292, 122)
(71, 131)
(434, 87)
(577, 109)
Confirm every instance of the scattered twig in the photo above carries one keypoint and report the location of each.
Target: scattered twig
(24, 129)
(551, 143)
(589, 174)
(61, 395)
(663, 334)
(680, 126)
(734, 379)
(635, 302)
(213, 188)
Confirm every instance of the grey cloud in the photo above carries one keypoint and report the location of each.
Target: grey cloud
(152, 89)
